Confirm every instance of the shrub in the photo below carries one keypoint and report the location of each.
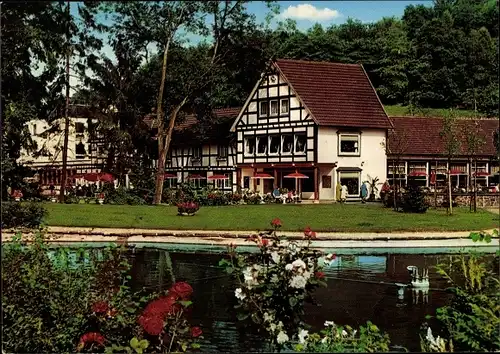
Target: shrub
(122, 196)
(275, 283)
(189, 208)
(22, 214)
(414, 200)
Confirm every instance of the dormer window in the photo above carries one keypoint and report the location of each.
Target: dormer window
(263, 109)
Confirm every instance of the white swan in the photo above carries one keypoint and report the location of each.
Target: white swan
(418, 281)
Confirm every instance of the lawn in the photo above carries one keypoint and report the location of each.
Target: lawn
(322, 217)
(397, 110)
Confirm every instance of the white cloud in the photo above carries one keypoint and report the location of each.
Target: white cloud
(310, 13)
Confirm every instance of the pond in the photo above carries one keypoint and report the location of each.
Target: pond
(361, 287)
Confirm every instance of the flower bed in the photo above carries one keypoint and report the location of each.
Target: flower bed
(187, 208)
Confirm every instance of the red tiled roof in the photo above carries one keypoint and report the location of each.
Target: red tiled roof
(190, 120)
(423, 135)
(336, 94)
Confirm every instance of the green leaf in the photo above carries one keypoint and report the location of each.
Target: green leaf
(195, 345)
(186, 303)
(299, 347)
(184, 346)
(134, 342)
(144, 344)
(130, 310)
(268, 293)
(293, 301)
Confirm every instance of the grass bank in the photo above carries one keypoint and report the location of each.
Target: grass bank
(322, 217)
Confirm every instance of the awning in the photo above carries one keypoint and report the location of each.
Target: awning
(349, 169)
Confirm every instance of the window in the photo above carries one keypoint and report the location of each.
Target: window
(263, 109)
(274, 107)
(225, 183)
(284, 106)
(274, 144)
(287, 144)
(261, 145)
(349, 144)
(80, 151)
(351, 180)
(249, 146)
(300, 144)
(79, 128)
(221, 152)
(196, 153)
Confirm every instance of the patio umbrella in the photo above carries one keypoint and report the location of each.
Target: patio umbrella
(91, 177)
(456, 172)
(217, 177)
(416, 173)
(297, 176)
(169, 176)
(195, 177)
(106, 177)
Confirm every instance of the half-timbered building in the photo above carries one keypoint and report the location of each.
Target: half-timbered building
(322, 120)
(200, 150)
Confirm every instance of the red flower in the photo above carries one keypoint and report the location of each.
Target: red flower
(264, 242)
(182, 290)
(100, 307)
(101, 196)
(196, 332)
(151, 324)
(160, 307)
(309, 233)
(91, 337)
(319, 275)
(330, 257)
(276, 222)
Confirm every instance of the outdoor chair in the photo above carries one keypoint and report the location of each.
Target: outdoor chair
(278, 197)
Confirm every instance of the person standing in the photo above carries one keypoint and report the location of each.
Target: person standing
(364, 192)
(343, 195)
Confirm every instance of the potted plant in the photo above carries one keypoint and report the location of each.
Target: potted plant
(187, 208)
(17, 195)
(100, 198)
(373, 187)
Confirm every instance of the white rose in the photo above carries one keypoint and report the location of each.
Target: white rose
(239, 294)
(299, 263)
(344, 333)
(324, 340)
(298, 282)
(329, 323)
(272, 327)
(282, 337)
(288, 267)
(276, 257)
(303, 334)
(268, 317)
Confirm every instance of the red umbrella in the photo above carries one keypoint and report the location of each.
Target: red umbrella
(217, 177)
(296, 175)
(92, 176)
(106, 177)
(480, 174)
(262, 176)
(417, 173)
(169, 176)
(195, 177)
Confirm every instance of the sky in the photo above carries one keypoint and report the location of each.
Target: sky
(308, 13)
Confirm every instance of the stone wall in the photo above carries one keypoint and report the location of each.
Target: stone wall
(483, 200)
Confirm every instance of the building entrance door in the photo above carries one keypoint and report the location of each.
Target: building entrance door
(351, 179)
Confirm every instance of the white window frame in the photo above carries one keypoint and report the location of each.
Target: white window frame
(257, 140)
(269, 143)
(287, 105)
(357, 153)
(295, 144)
(271, 114)
(283, 144)
(245, 140)
(264, 104)
(224, 183)
(195, 156)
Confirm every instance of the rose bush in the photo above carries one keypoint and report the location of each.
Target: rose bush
(189, 208)
(275, 283)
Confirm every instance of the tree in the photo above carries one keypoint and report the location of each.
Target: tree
(451, 143)
(473, 140)
(396, 146)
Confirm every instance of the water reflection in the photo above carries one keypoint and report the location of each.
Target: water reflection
(360, 288)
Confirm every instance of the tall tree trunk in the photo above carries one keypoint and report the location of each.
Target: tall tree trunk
(62, 189)
(160, 168)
